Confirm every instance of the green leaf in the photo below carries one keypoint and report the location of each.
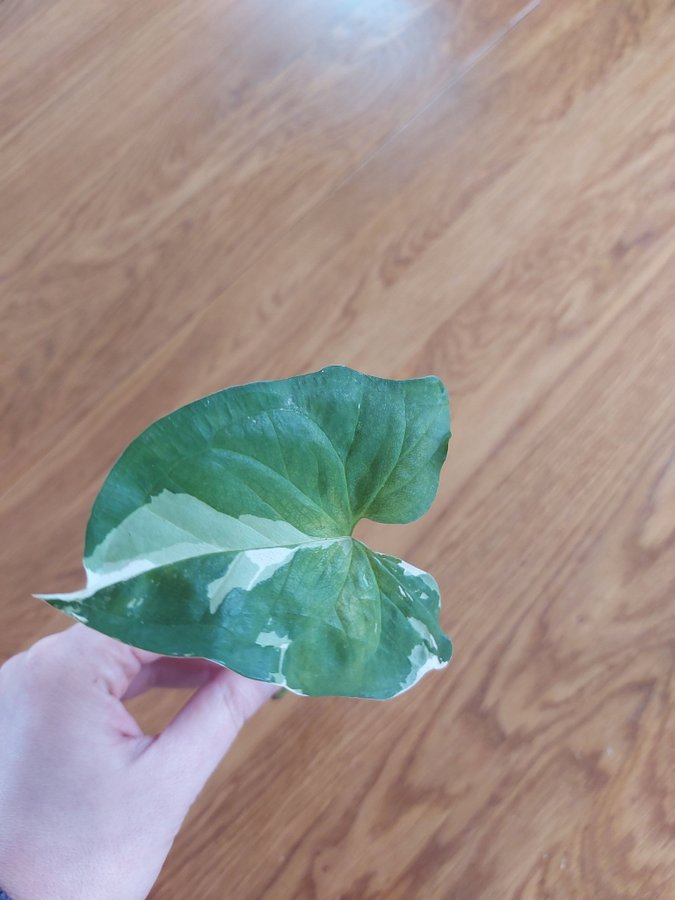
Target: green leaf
(224, 531)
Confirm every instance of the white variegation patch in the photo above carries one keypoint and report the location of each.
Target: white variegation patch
(75, 612)
(280, 642)
(174, 527)
(247, 570)
(274, 532)
(423, 632)
(422, 660)
(411, 570)
(96, 581)
(151, 537)
(424, 577)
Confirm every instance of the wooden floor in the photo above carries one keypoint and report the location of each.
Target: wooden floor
(196, 194)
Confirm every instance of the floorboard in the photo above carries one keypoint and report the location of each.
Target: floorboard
(197, 195)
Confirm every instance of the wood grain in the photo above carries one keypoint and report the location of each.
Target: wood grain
(191, 141)
(196, 195)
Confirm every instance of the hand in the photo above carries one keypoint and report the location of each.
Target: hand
(89, 805)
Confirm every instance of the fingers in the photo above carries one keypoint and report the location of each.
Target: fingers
(168, 672)
(82, 659)
(203, 731)
(124, 671)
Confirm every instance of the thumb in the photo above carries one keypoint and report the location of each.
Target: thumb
(202, 732)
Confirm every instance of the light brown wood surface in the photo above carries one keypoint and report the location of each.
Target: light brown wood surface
(193, 195)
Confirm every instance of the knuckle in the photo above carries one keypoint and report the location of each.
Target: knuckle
(41, 661)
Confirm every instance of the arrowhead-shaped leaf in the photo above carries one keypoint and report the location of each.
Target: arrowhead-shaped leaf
(224, 531)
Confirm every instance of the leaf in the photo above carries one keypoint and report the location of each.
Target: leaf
(224, 531)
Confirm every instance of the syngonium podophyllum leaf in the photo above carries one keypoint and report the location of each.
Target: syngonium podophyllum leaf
(224, 531)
